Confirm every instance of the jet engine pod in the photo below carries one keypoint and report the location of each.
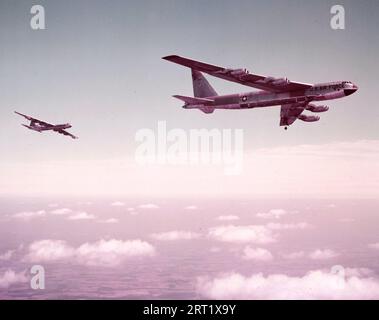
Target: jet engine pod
(280, 82)
(306, 118)
(239, 72)
(314, 108)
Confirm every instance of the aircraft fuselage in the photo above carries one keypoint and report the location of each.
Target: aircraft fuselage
(39, 128)
(260, 99)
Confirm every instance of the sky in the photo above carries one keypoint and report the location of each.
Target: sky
(98, 66)
(298, 220)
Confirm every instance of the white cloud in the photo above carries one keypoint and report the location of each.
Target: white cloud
(49, 250)
(112, 252)
(7, 255)
(175, 235)
(81, 216)
(62, 211)
(101, 253)
(110, 221)
(27, 215)
(374, 245)
(294, 255)
(314, 285)
(228, 218)
(257, 254)
(10, 277)
(320, 254)
(242, 234)
(272, 214)
(191, 208)
(117, 204)
(288, 226)
(148, 206)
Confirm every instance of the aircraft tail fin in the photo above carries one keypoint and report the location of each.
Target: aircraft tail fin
(201, 86)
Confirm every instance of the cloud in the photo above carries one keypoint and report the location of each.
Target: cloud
(191, 208)
(7, 255)
(27, 215)
(323, 254)
(257, 254)
(314, 285)
(112, 252)
(117, 204)
(228, 218)
(62, 211)
(272, 214)
(374, 245)
(49, 250)
(110, 220)
(10, 277)
(101, 253)
(288, 226)
(242, 234)
(148, 206)
(175, 235)
(81, 216)
(293, 255)
(132, 211)
(72, 215)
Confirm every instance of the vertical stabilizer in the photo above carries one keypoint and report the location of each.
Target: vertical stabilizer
(201, 86)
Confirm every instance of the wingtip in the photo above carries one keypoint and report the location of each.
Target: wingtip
(170, 57)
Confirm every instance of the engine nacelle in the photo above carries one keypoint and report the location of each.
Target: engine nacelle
(280, 82)
(317, 109)
(239, 72)
(306, 118)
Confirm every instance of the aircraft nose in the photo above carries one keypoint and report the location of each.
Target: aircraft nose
(350, 91)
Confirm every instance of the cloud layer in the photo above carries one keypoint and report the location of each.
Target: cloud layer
(101, 253)
(10, 277)
(272, 214)
(257, 254)
(175, 235)
(323, 254)
(317, 284)
(242, 234)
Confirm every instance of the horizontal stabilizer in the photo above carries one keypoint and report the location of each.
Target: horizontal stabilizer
(31, 128)
(196, 101)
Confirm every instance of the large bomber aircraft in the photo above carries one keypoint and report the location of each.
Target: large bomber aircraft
(293, 97)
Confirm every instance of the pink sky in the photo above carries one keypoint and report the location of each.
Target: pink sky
(341, 169)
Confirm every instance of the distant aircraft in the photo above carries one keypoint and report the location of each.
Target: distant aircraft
(294, 97)
(39, 126)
